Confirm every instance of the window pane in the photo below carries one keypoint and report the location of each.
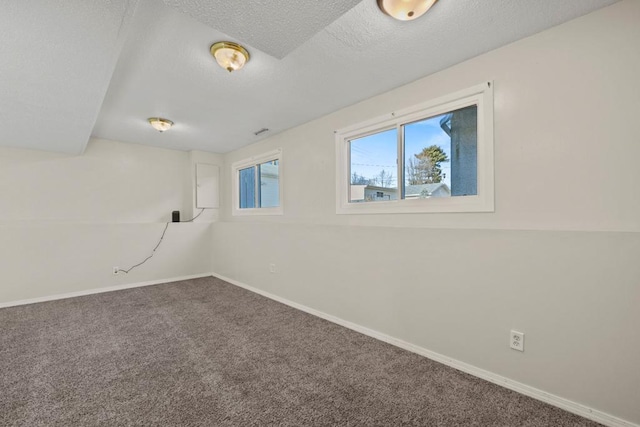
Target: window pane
(373, 167)
(247, 187)
(269, 184)
(440, 155)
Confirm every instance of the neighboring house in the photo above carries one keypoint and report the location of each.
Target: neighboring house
(372, 193)
(423, 191)
(357, 193)
(269, 185)
(268, 176)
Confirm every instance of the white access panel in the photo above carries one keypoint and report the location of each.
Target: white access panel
(207, 186)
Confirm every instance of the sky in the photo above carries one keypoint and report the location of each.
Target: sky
(373, 153)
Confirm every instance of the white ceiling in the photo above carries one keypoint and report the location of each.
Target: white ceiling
(308, 58)
(275, 27)
(56, 62)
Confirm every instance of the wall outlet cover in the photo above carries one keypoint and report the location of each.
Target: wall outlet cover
(516, 340)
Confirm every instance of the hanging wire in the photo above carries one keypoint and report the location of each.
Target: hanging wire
(153, 252)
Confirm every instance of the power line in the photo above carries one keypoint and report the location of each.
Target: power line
(379, 166)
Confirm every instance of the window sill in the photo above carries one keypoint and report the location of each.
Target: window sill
(435, 205)
(258, 211)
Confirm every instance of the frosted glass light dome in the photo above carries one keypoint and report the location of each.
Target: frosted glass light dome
(230, 56)
(405, 10)
(160, 124)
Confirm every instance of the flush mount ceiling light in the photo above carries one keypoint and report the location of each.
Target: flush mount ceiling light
(160, 124)
(230, 56)
(405, 10)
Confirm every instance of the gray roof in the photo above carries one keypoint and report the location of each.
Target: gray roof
(411, 190)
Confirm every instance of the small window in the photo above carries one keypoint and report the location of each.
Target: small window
(257, 185)
(435, 157)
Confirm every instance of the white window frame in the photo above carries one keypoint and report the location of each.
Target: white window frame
(235, 182)
(480, 95)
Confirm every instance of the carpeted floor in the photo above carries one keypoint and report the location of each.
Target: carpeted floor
(206, 353)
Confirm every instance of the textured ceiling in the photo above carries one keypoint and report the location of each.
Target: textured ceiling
(56, 61)
(60, 58)
(276, 27)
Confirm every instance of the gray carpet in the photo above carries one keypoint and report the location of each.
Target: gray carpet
(204, 352)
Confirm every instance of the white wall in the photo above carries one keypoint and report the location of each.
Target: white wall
(558, 258)
(66, 221)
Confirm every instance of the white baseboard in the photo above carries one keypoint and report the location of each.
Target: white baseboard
(560, 402)
(99, 290)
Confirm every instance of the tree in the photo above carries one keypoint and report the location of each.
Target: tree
(384, 179)
(358, 179)
(419, 170)
(424, 167)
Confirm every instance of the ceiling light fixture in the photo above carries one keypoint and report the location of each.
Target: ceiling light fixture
(160, 124)
(405, 10)
(230, 56)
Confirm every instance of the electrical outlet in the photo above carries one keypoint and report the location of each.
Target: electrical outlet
(116, 271)
(516, 340)
(272, 268)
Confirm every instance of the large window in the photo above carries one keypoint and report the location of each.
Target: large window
(257, 185)
(435, 157)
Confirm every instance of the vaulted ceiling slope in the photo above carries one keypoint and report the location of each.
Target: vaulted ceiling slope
(56, 62)
(308, 58)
